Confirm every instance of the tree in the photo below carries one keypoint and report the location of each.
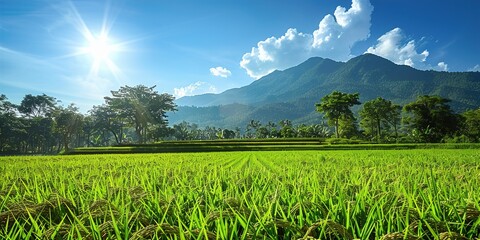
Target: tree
(252, 128)
(69, 123)
(378, 114)
(286, 129)
(38, 114)
(11, 127)
(431, 118)
(88, 130)
(319, 130)
(272, 130)
(304, 131)
(37, 106)
(105, 118)
(336, 106)
(348, 127)
(394, 117)
(471, 126)
(181, 131)
(142, 107)
(228, 134)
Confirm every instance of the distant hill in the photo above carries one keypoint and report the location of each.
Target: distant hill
(292, 93)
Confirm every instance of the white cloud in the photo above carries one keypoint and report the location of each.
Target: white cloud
(392, 47)
(442, 66)
(333, 39)
(476, 68)
(194, 89)
(220, 72)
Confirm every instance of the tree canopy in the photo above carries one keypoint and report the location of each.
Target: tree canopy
(378, 114)
(429, 118)
(336, 106)
(37, 106)
(142, 107)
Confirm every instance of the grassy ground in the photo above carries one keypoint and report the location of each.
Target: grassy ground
(383, 194)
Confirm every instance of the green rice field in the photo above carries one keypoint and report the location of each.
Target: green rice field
(342, 194)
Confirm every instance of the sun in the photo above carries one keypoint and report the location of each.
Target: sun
(100, 48)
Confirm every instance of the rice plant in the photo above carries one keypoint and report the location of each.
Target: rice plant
(374, 194)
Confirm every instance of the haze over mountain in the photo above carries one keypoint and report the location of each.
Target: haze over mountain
(292, 93)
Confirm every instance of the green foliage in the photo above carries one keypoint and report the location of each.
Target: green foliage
(138, 114)
(11, 127)
(107, 120)
(378, 115)
(69, 122)
(287, 130)
(430, 119)
(336, 107)
(39, 125)
(37, 106)
(141, 107)
(422, 194)
(471, 127)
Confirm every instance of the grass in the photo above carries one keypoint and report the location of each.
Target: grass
(383, 194)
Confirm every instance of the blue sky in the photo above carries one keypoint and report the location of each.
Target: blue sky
(77, 51)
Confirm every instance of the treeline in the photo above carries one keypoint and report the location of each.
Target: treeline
(253, 130)
(40, 125)
(427, 119)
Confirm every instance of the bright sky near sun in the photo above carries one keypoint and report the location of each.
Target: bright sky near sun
(77, 51)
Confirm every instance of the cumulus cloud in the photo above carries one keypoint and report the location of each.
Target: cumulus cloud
(220, 72)
(392, 47)
(194, 89)
(333, 39)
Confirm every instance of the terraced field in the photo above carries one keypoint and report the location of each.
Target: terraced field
(375, 194)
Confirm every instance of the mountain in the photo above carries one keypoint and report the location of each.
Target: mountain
(292, 93)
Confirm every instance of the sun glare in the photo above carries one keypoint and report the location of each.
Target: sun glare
(99, 48)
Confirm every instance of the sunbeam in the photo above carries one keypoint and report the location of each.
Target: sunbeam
(99, 47)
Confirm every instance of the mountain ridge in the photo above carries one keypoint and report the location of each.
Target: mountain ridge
(292, 93)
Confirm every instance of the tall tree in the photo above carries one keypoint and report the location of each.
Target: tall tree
(336, 106)
(431, 118)
(38, 111)
(105, 118)
(37, 106)
(69, 123)
(141, 106)
(378, 114)
(11, 127)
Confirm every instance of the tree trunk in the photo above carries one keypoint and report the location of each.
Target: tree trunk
(378, 130)
(396, 132)
(115, 135)
(65, 143)
(336, 128)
